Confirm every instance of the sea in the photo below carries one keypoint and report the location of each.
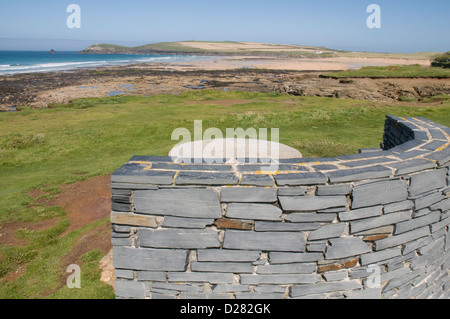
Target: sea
(16, 62)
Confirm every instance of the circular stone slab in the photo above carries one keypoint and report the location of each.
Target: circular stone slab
(232, 149)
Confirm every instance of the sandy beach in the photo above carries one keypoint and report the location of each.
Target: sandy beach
(242, 73)
(294, 64)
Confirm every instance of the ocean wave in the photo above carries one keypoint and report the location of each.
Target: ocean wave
(46, 67)
(40, 66)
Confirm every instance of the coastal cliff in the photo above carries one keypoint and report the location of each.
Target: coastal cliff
(224, 48)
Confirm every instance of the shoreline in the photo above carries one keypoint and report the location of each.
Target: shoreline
(243, 73)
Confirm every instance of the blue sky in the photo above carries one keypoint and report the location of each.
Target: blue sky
(407, 26)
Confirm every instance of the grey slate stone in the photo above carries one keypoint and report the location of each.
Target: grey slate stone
(306, 160)
(358, 174)
(298, 179)
(366, 294)
(379, 160)
(135, 174)
(433, 145)
(279, 279)
(376, 231)
(292, 191)
(376, 257)
(328, 231)
(248, 195)
(311, 203)
(379, 193)
(410, 247)
(125, 199)
(402, 239)
(179, 238)
(421, 212)
(376, 222)
(425, 182)
(412, 166)
(261, 226)
(131, 289)
(436, 246)
(227, 267)
(119, 207)
(178, 222)
(410, 154)
(369, 150)
(437, 134)
(316, 247)
(363, 156)
(256, 180)
(324, 167)
(124, 274)
(150, 275)
(128, 187)
(400, 206)
(325, 287)
(270, 288)
(203, 296)
(301, 268)
(166, 166)
(310, 218)
(206, 167)
(335, 276)
(193, 203)
(417, 223)
(120, 241)
(177, 287)
(346, 247)
(443, 223)
(225, 288)
(443, 206)
(263, 167)
(428, 200)
(285, 258)
(442, 157)
(333, 190)
(121, 229)
(447, 241)
(267, 241)
(254, 212)
(213, 278)
(222, 255)
(199, 178)
(361, 213)
(259, 296)
(149, 259)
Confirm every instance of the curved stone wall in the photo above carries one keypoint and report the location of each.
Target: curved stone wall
(367, 225)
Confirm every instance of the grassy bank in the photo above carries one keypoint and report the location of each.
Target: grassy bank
(393, 71)
(42, 149)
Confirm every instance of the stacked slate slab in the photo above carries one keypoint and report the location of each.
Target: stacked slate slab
(369, 225)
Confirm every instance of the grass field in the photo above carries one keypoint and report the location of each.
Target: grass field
(45, 148)
(393, 71)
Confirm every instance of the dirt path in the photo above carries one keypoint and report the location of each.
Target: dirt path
(85, 202)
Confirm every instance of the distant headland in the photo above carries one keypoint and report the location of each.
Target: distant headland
(233, 48)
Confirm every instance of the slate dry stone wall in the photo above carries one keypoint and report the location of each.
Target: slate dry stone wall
(316, 228)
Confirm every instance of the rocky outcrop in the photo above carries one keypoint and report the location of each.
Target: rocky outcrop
(384, 90)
